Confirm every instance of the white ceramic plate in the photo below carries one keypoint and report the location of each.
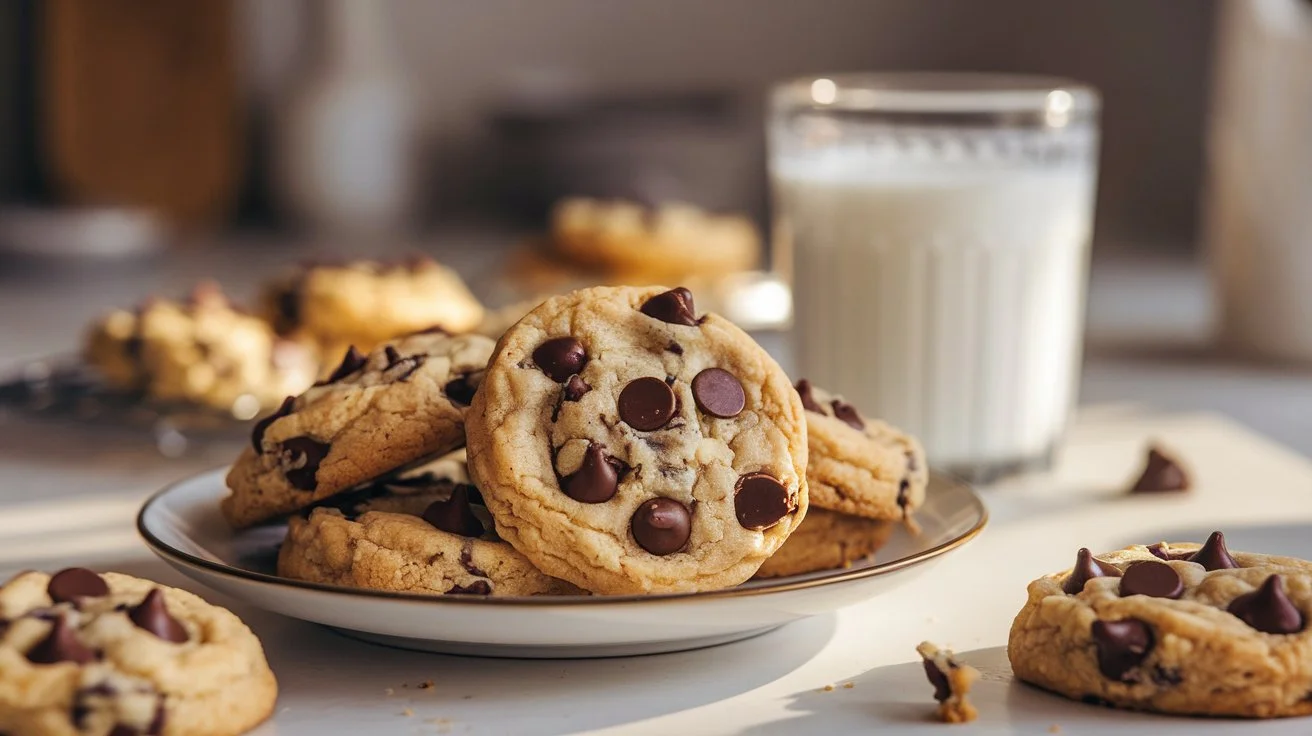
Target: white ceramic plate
(182, 525)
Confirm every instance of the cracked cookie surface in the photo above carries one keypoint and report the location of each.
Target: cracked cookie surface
(629, 446)
(403, 402)
(83, 654)
(1178, 628)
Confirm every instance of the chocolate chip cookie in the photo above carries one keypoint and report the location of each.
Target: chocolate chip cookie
(199, 351)
(82, 653)
(1179, 628)
(860, 466)
(628, 445)
(363, 303)
(826, 540)
(402, 403)
(422, 532)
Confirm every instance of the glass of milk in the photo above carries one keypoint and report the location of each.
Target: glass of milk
(937, 229)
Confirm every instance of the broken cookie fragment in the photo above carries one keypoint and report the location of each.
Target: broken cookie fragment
(952, 681)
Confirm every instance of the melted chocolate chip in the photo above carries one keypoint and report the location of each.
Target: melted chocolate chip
(60, 645)
(257, 432)
(1213, 555)
(1087, 568)
(939, 679)
(675, 348)
(761, 501)
(809, 403)
(460, 390)
(719, 393)
(1122, 646)
(1153, 579)
(597, 478)
(478, 587)
(1268, 609)
(406, 364)
(302, 457)
(647, 404)
(661, 526)
(455, 515)
(74, 584)
(1161, 473)
(560, 358)
(1159, 551)
(352, 361)
(848, 414)
(575, 387)
(674, 306)
(152, 614)
(467, 558)
(903, 487)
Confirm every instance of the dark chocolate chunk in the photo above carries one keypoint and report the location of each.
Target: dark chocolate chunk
(460, 390)
(597, 478)
(60, 645)
(719, 393)
(1213, 555)
(1268, 609)
(661, 526)
(467, 558)
(288, 305)
(1087, 568)
(808, 399)
(75, 583)
(257, 432)
(848, 414)
(939, 679)
(402, 366)
(646, 404)
(156, 726)
(675, 348)
(761, 501)
(302, 456)
(1160, 473)
(1159, 551)
(152, 614)
(1166, 677)
(1153, 579)
(1122, 646)
(674, 306)
(352, 361)
(575, 387)
(455, 515)
(560, 358)
(478, 587)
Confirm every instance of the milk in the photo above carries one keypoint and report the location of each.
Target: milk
(946, 298)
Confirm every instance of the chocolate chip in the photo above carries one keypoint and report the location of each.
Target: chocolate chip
(848, 414)
(560, 358)
(1160, 473)
(1213, 555)
(719, 393)
(1166, 677)
(152, 614)
(808, 398)
(597, 478)
(60, 645)
(74, 584)
(647, 404)
(467, 559)
(1159, 551)
(674, 306)
(478, 587)
(302, 456)
(761, 501)
(460, 390)
(1122, 646)
(1153, 579)
(903, 487)
(455, 515)
(156, 726)
(1268, 609)
(675, 348)
(408, 363)
(352, 361)
(288, 302)
(942, 688)
(661, 526)
(257, 432)
(1087, 568)
(575, 387)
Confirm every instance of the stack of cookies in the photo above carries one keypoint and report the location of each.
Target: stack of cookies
(615, 442)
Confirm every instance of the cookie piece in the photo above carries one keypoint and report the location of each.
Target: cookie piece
(364, 303)
(826, 540)
(1178, 628)
(952, 681)
(418, 533)
(404, 402)
(857, 465)
(199, 351)
(671, 241)
(629, 446)
(82, 653)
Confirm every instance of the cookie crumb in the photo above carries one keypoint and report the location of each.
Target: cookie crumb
(407, 713)
(426, 685)
(849, 685)
(951, 680)
(1054, 728)
(389, 691)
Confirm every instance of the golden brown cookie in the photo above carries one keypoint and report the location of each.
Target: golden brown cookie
(827, 540)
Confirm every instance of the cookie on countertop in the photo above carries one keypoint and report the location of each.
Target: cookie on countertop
(629, 446)
(1178, 628)
(952, 681)
(671, 241)
(857, 465)
(199, 351)
(364, 303)
(82, 654)
(424, 532)
(401, 404)
(827, 540)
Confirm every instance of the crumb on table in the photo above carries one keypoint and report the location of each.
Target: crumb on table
(952, 681)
